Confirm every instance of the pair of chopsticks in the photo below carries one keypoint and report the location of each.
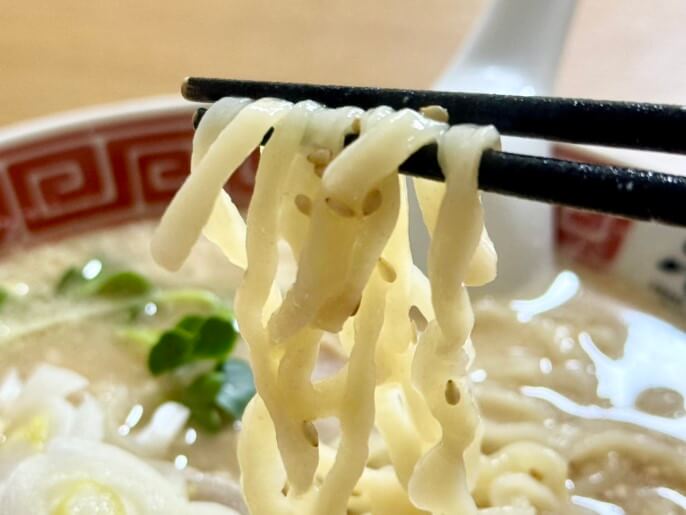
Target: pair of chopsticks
(626, 192)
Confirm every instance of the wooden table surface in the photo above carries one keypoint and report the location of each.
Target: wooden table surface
(63, 54)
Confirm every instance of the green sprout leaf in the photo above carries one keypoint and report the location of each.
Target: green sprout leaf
(216, 338)
(95, 279)
(205, 388)
(71, 280)
(211, 337)
(191, 323)
(4, 297)
(237, 390)
(199, 397)
(172, 350)
(121, 284)
(220, 396)
(208, 418)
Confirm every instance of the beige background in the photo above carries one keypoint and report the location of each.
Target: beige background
(62, 54)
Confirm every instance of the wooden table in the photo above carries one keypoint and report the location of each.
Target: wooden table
(65, 54)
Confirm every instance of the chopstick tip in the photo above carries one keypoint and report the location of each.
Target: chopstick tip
(185, 87)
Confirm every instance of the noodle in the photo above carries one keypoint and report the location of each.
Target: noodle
(642, 448)
(342, 214)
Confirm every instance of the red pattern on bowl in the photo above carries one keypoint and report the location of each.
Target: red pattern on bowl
(77, 172)
(593, 239)
(589, 238)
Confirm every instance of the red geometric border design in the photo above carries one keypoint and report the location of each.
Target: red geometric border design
(56, 188)
(111, 172)
(592, 239)
(10, 220)
(589, 238)
(158, 162)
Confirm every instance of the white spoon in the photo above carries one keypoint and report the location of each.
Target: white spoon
(514, 49)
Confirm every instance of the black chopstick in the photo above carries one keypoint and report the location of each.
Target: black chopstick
(659, 127)
(626, 192)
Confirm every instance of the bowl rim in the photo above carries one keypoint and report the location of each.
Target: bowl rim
(92, 116)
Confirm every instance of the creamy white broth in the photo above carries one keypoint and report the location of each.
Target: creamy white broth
(595, 371)
(88, 336)
(548, 353)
